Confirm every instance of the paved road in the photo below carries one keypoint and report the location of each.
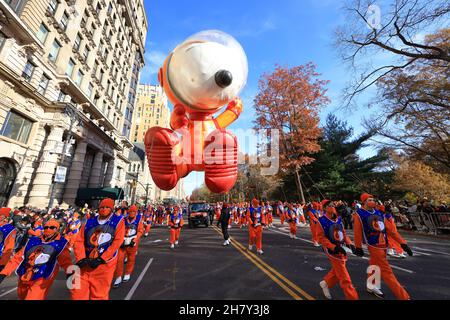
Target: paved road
(201, 268)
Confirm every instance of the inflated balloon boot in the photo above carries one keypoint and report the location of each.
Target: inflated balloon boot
(160, 144)
(221, 153)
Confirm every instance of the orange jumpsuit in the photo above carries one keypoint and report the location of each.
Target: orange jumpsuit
(136, 224)
(291, 217)
(175, 227)
(36, 289)
(256, 221)
(338, 272)
(378, 250)
(280, 212)
(95, 283)
(269, 215)
(313, 224)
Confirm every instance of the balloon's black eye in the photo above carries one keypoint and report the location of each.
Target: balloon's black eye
(223, 78)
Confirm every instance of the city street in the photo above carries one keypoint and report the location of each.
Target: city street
(201, 268)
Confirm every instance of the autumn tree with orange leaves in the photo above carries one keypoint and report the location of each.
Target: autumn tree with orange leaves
(289, 100)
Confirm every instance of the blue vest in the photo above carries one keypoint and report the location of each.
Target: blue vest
(333, 230)
(133, 225)
(374, 229)
(291, 215)
(5, 231)
(100, 236)
(74, 223)
(173, 217)
(41, 257)
(253, 214)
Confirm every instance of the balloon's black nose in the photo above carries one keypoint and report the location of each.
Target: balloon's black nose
(223, 78)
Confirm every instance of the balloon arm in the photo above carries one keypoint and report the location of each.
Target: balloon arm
(231, 114)
(178, 118)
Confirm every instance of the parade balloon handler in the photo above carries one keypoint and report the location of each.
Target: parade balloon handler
(291, 217)
(370, 227)
(134, 228)
(314, 213)
(280, 212)
(123, 210)
(332, 237)
(255, 229)
(96, 249)
(175, 222)
(394, 247)
(7, 237)
(37, 264)
(201, 76)
(224, 218)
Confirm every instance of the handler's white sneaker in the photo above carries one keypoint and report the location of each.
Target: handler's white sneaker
(225, 243)
(260, 252)
(250, 247)
(117, 282)
(126, 278)
(402, 255)
(376, 292)
(172, 246)
(325, 289)
(176, 242)
(316, 244)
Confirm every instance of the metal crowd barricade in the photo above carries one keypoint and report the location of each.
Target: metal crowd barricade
(440, 220)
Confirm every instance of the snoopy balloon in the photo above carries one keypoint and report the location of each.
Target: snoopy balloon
(201, 76)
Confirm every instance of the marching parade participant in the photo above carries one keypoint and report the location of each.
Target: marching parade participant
(371, 228)
(394, 247)
(7, 237)
(300, 215)
(36, 230)
(314, 214)
(73, 227)
(291, 217)
(133, 231)
(269, 209)
(242, 210)
(176, 222)
(123, 210)
(96, 249)
(38, 262)
(148, 220)
(256, 221)
(332, 236)
(217, 210)
(280, 212)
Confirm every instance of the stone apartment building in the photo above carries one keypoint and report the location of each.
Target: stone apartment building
(69, 70)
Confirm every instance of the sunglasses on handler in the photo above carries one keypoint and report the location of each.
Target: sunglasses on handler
(51, 228)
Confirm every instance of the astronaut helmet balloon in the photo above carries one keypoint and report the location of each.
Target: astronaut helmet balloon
(205, 72)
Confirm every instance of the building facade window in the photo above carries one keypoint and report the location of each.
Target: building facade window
(17, 127)
(54, 51)
(43, 84)
(42, 33)
(77, 43)
(64, 20)
(53, 6)
(79, 77)
(86, 53)
(2, 39)
(28, 70)
(90, 89)
(70, 67)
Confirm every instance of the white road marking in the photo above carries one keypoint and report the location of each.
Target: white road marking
(434, 251)
(8, 292)
(138, 281)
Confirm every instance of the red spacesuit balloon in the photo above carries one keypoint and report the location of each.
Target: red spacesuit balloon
(201, 76)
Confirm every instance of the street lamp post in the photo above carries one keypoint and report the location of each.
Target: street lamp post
(72, 112)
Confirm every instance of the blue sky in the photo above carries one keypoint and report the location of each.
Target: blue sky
(285, 32)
